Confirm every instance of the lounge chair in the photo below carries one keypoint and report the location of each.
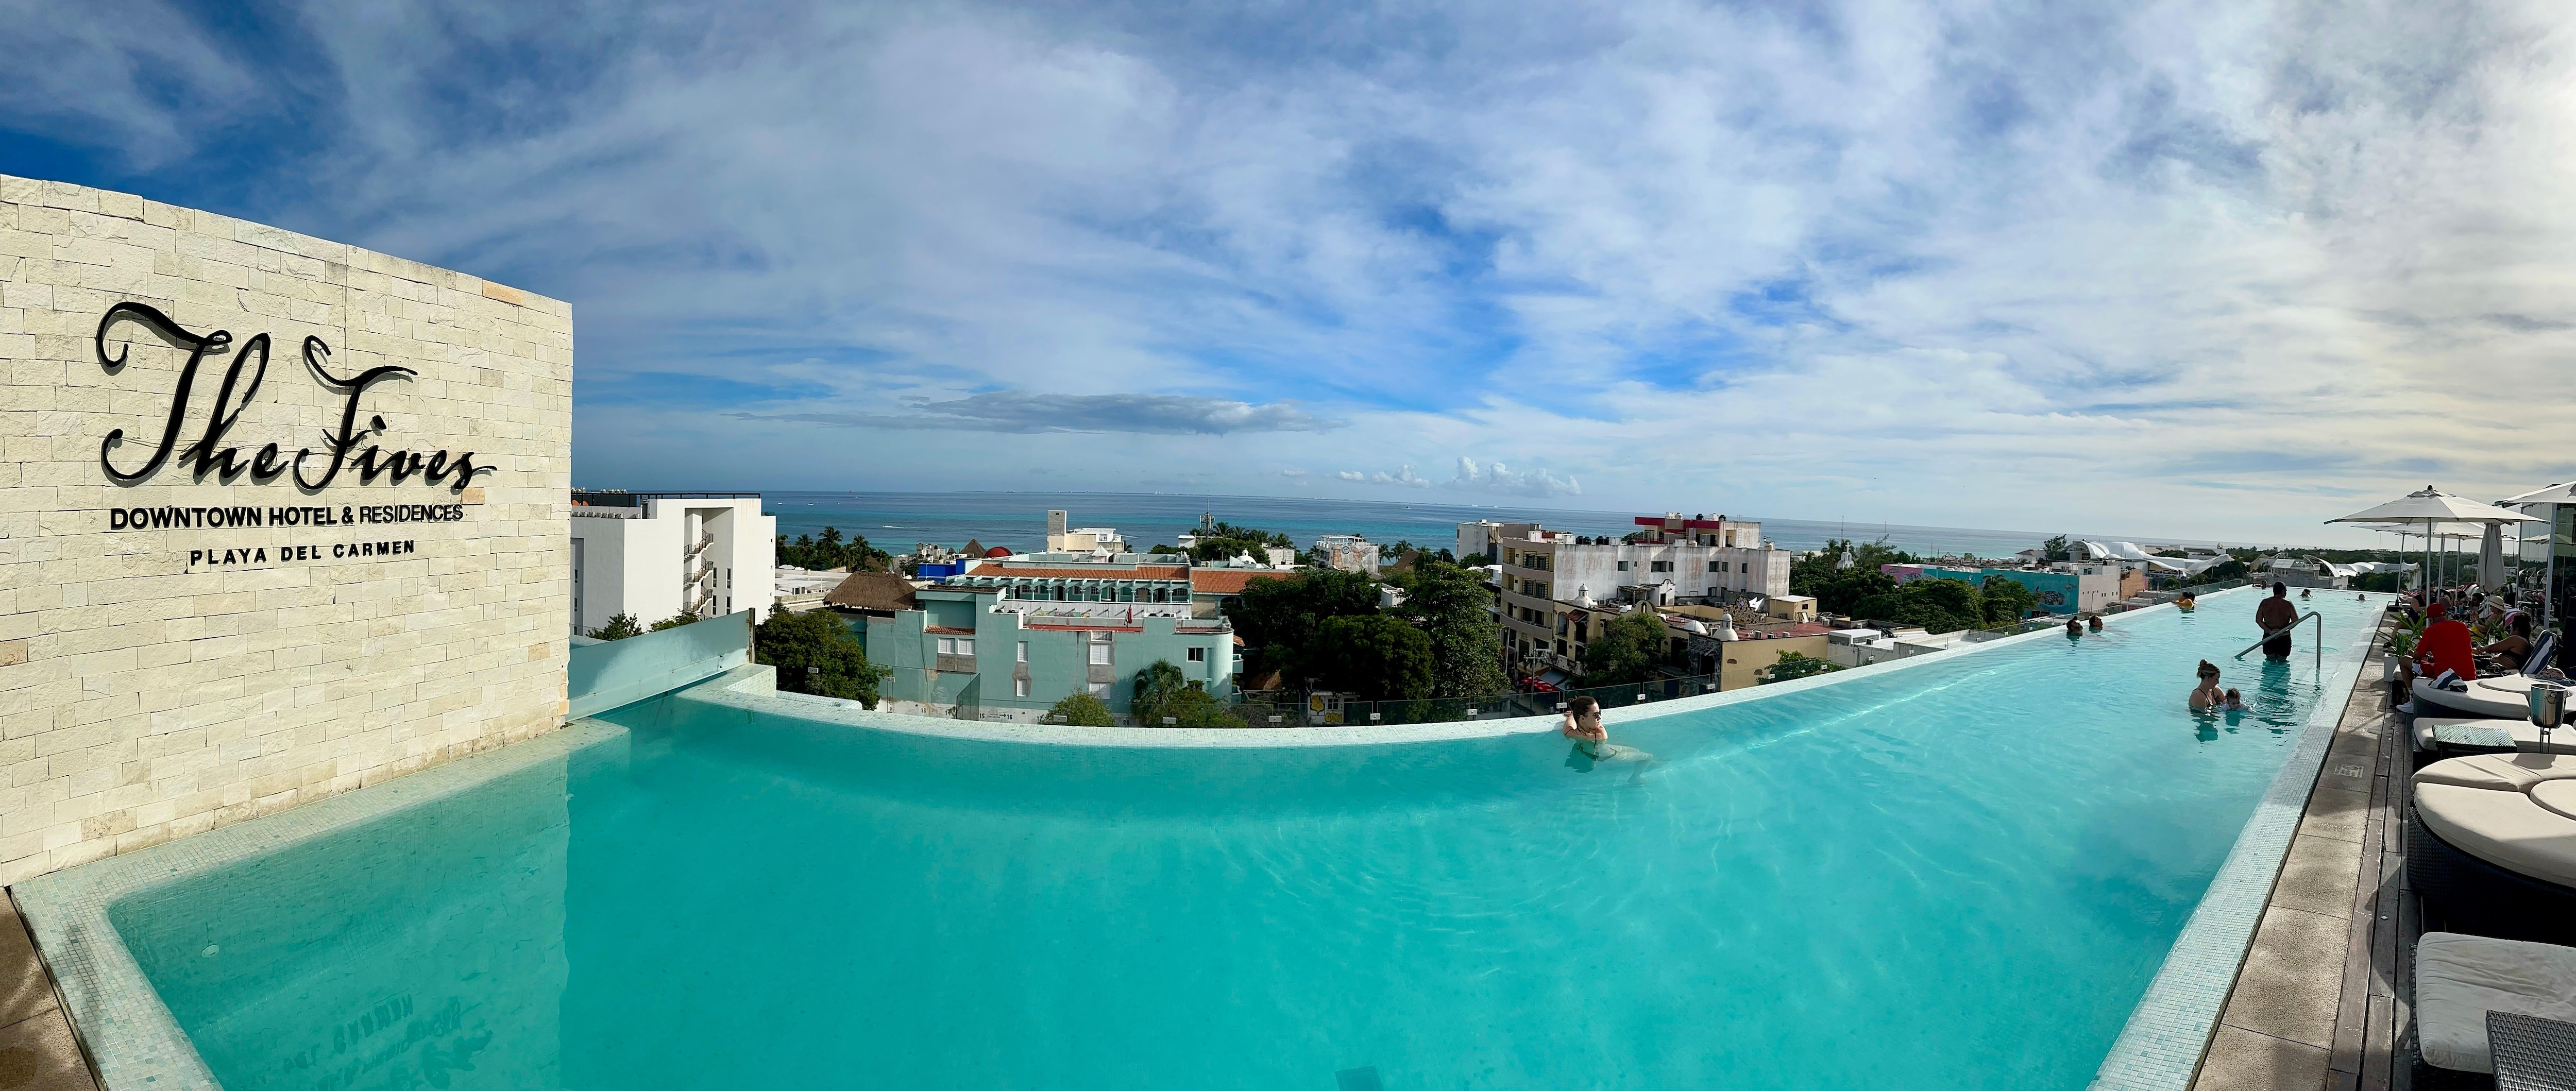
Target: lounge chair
(2459, 979)
(2503, 697)
(2491, 844)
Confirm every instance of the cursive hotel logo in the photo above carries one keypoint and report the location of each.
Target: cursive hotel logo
(209, 454)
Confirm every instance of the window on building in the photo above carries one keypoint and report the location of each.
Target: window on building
(1024, 651)
(1019, 687)
(1100, 655)
(1623, 566)
(965, 645)
(1198, 655)
(1100, 690)
(1712, 566)
(947, 646)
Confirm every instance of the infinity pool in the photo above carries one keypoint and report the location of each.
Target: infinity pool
(1958, 873)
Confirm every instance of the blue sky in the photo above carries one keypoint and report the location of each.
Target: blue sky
(2204, 270)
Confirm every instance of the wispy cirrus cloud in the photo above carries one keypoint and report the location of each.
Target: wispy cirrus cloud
(1024, 413)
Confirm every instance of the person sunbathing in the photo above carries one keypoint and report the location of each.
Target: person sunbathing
(2510, 653)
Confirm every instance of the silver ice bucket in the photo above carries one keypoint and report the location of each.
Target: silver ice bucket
(2548, 704)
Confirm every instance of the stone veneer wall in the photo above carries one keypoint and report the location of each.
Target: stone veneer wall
(144, 698)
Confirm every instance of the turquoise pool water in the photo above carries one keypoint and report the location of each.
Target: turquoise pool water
(1961, 874)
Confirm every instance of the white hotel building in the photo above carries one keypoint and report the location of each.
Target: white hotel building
(656, 555)
(1556, 587)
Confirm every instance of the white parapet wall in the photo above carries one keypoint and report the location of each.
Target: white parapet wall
(341, 556)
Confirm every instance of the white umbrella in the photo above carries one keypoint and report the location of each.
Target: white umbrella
(2491, 557)
(2562, 493)
(2430, 508)
(2549, 497)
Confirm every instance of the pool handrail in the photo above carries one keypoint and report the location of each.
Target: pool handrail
(2302, 619)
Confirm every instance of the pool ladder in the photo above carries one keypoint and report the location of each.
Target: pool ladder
(2285, 630)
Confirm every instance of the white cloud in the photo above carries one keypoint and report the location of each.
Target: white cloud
(1022, 412)
(1496, 477)
(1959, 262)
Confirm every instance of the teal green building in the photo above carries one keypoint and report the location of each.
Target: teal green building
(977, 652)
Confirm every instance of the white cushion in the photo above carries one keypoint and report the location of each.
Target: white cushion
(2506, 829)
(2557, 796)
(2478, 701)
(2510, 685)
(2459, 979)
(2498, 772)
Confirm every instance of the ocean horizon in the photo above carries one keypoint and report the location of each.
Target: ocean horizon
(898, 521)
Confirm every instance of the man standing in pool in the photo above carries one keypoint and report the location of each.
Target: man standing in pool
(2275, 616)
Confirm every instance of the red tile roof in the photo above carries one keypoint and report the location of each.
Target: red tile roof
(1225, 581)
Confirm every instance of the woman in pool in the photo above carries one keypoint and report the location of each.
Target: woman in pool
(2074, 627)
(2094, 623)
(1583, 725)
(2207, 697)
(2187, 601)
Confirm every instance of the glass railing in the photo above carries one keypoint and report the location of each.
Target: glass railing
(606, 674)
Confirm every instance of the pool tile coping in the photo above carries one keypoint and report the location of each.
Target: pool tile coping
(131, 1036)
(2161, 1046)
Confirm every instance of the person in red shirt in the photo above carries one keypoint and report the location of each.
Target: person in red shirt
(2445, 646)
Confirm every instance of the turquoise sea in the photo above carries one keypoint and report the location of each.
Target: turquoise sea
(899, 521)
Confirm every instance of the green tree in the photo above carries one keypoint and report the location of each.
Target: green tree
(816, 653)
(675, 621)
(2225, 570)
(2007, 600)
(1846, 590)
(2056, 549)
(1837, 589)
(1795, 665)
(831, 551)
(1081, 710)
(1938, 605)
(1380, 658)
(1626, 651)
(1157, 682)
(1162, 693)
(618, 628)
(1279, 619)
(1451, 606)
